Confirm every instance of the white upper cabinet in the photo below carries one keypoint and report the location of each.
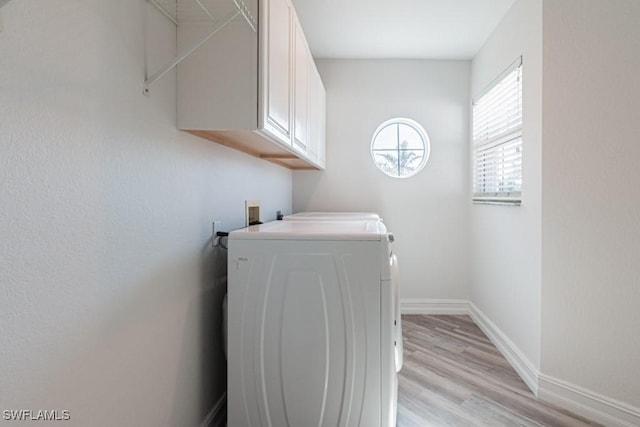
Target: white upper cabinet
(301, 64)
(321, 120)
(316, 117)
(277, 69)
(252, 90)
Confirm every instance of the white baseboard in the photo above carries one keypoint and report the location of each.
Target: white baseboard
(523, 366)
(215, 412)
(588, 404)
(434, 306)
(593, 406)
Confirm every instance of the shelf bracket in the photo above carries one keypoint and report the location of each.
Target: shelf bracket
(163, 11)
(246, 14)
(241, 9)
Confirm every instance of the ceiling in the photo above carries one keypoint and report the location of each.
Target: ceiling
(434, 29)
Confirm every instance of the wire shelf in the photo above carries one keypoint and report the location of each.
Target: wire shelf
(217, 12)
(181, 11)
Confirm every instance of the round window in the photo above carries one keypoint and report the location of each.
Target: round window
(400, 147)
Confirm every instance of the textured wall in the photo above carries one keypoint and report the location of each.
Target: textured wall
(505, 244)
(591, 200)
(429, 212)
(108, 307)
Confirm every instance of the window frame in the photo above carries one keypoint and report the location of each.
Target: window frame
(418, 129)
(501, 143)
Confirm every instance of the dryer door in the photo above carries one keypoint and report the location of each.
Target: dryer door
(397, 320)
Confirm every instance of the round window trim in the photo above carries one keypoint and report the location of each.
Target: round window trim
(384, 153)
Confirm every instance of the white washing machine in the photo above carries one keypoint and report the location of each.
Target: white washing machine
(311, 325)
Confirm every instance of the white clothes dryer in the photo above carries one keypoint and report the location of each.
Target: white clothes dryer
(319, 216)
(311, 325)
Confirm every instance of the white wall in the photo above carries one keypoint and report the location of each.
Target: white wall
(505, 243)
(104, 210)
(591, 200)
(428, 213)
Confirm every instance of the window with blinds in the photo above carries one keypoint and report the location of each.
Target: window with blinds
(497, 139)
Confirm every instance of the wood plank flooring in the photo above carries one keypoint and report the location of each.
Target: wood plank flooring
(454, 376)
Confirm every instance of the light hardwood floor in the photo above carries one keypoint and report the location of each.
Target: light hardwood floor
(454, 376)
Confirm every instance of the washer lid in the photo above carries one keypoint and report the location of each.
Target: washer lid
(309, 230)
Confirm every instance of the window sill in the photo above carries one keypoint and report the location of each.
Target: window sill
(503, 202)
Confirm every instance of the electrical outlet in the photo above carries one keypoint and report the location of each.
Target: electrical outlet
(251, 212)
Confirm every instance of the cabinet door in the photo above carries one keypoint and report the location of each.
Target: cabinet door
(317, 114)
(277, 69)
(302, 57)
(322, 124)
(313, 112)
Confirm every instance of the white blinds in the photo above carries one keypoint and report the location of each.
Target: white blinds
(497, 139)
